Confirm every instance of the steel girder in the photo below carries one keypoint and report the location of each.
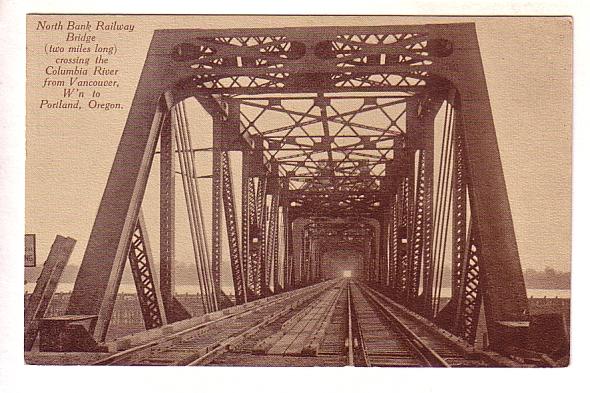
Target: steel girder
(254, 227)
(250, 223)
(146, 284)
(306, 259)
(460, 218)
(393, 257)
(246, 208)
(273, 240)
(167, 217)
(232, 230)
(385, 221)
(403, 214)
(417, 236)
(216, 218)
(288, 250)
(470, 291)
(426, 185)
(224, 199)
(261, 219)
(306, 59)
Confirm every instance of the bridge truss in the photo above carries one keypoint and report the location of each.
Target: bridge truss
(379, 139)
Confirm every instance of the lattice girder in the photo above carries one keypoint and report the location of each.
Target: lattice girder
(232, 230)
(282, 59)
(142, 270)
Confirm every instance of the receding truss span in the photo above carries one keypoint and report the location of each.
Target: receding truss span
(375, 141)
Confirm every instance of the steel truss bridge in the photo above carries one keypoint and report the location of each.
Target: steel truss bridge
(372, 142)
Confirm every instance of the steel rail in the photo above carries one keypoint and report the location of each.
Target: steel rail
(431, 357)
(460, 346)
(350, 336)
(360, 355)
(414, 349)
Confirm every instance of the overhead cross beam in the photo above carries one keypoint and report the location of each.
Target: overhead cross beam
(306, 60)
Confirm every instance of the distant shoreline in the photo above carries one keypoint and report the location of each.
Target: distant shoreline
(193, 290)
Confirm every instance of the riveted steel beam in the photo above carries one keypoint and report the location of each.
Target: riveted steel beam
(144, 276)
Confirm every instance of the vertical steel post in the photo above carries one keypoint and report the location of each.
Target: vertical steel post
(306, 250)
(254, 239)
(393, 243)
(459, 201)
(216, 201)
(427, 263)
(288, 250)
(383, 263)
(263, 271)
(417, 236)
(246, 257)
(273, 237)
(232, 230)
(402, 240)
(167, 217)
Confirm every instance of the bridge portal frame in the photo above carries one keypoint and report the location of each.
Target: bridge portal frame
(450, 60)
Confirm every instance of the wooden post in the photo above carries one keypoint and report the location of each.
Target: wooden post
(45, 288)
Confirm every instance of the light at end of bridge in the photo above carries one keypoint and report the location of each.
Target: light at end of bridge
(347, 273)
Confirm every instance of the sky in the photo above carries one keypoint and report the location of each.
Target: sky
(528, 66)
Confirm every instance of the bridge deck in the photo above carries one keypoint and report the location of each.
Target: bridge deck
(312, 326)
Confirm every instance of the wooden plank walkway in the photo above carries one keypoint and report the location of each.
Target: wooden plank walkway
(304, 331)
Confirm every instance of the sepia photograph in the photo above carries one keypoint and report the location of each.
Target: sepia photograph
(298, 191)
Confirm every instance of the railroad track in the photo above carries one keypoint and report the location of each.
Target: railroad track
(199, 344)
(385, 334)
(334, 323)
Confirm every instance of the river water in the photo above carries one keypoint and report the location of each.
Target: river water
(193, 289)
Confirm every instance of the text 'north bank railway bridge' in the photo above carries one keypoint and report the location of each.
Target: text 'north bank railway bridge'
(372, 143)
